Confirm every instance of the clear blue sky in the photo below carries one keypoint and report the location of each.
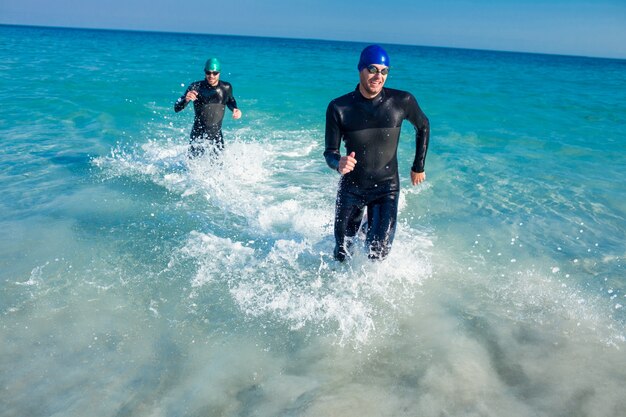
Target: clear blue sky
(572, 27)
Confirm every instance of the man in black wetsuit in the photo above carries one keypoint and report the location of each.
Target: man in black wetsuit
(210, 97)
(368, 120)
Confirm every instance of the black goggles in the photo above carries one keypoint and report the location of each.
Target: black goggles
(372, 69)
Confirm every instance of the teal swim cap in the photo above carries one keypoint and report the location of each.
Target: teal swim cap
(373, 54)
(212, 64)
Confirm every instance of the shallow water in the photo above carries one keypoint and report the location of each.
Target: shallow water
(136, 282)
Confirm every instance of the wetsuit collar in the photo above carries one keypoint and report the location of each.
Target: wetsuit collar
(205, 81)
(379, 95)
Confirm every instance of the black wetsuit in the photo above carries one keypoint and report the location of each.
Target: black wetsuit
(209, 110)
(371, 129)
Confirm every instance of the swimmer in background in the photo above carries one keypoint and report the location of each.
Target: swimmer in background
(368, 120)
(210, 98)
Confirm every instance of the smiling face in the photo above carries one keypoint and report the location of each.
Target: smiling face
(213, 77)
(371, 84)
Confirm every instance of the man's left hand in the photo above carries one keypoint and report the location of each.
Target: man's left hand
(236, 114)
(417, 177)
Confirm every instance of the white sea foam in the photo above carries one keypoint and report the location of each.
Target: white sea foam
(294, 279)
(287, 273)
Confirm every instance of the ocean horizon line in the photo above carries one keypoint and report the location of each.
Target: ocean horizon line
(312, 39)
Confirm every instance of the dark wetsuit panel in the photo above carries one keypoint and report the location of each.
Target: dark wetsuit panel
(371, 129)
(209, 110)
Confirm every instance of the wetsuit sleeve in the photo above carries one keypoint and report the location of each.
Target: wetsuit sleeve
(229, 99)
(333, 137)
(180, 103)
(420, 122)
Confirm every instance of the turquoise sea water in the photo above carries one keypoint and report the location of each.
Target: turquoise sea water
(136, 283)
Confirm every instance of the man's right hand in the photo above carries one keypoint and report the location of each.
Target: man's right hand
(346, 163)
(191, 95)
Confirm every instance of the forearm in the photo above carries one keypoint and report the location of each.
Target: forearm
(422, 138)
(333, 138)
(180, 104)
(422, 135)
(332, 158)
(231, 104)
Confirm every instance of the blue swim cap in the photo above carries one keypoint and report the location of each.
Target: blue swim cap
(373, 54)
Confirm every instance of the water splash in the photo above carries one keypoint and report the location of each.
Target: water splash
(274, 250)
